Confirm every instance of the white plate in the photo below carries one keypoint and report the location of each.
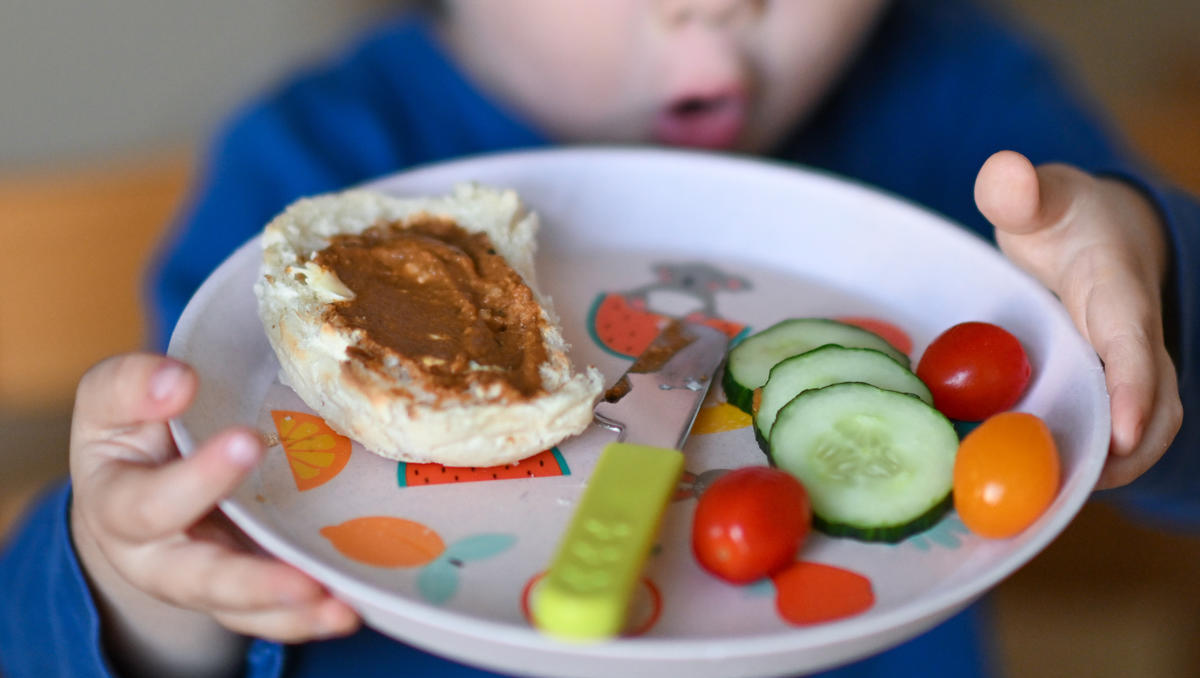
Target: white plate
(790, 243)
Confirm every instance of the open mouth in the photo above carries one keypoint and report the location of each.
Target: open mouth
(714, 122)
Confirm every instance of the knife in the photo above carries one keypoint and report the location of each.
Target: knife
(586, 591)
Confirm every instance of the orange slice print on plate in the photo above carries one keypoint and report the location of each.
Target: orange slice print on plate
(315, 453)
(384, 541)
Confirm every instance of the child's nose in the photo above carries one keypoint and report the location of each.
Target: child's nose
(715, 13)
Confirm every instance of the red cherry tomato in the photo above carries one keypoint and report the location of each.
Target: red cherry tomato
(750, 523)
(1006, 474)
(974, 370)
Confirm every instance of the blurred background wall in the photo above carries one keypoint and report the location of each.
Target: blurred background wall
(84, 79)
(104, 104)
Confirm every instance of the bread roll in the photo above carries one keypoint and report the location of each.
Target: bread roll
(428, 406)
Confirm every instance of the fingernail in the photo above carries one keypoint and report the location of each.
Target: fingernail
(242, 450)
(165, 380)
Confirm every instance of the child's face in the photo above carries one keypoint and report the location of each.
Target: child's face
(727, 74)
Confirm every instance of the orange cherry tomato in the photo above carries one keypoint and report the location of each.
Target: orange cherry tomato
(750, 523)
(1006, 474)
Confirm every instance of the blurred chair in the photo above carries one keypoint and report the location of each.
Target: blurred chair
(75, 245)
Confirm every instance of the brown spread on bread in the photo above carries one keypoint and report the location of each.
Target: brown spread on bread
(442, 302)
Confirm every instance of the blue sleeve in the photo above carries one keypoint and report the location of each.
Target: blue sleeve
(49, 624)
(943, 85)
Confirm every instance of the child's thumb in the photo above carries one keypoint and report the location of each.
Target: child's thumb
(1020, 199)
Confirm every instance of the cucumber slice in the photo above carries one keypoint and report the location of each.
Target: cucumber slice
(751, 361)
(831, 365)
(878, 465)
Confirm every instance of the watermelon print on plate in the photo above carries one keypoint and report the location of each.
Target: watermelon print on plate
(625, 322)
(541, 465)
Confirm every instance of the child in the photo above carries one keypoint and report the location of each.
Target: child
(130, 570)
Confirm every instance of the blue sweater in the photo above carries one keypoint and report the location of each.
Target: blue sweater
(940, 87)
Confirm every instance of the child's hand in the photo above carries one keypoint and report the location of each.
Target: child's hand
(1099, 245)
(147, 532)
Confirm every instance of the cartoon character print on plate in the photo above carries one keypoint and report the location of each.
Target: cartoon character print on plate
(625, 322)
(541, 465)
(315, 453)
(387, 541)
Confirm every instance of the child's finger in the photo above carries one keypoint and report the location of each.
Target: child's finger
(324, 619)
(140, 502)
(1017, 198)
(1166, 416)
(1121, 326)
(127, 390)
(1131, 391)
(210, 577)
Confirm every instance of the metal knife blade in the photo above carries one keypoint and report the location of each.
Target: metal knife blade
(585, 593)
(655, 402)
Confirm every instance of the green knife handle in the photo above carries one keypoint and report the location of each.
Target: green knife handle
(586, 592)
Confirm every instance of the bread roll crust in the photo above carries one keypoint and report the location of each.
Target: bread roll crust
(382, 406)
